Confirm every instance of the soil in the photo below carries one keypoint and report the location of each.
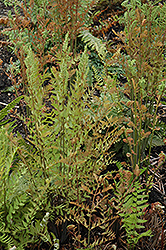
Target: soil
(158, 192)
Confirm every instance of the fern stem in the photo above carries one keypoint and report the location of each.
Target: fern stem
(78, 197)
(62, 140)
(135, 129)
(5, 207)
(76, 18)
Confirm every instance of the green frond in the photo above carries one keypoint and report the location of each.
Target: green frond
(6, 239)
(133, 202)
(94, 43)
(97, 77)
(6, 110)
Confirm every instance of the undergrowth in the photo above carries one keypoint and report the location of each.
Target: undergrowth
(62, 183)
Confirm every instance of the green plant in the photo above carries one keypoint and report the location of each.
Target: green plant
(93, 214)
(63, 144)
(140, 97)
(17, 210)
(7, 153)
(42, 25)
(69, 137)
(130, 201)
(144, 67)
(47, 22)
(6, 110)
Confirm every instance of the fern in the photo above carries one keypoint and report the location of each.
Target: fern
(62, 153)
(131, 200)
(94, 43)
(93, 213)
(17, 210)
(5, 238)
(132, 212)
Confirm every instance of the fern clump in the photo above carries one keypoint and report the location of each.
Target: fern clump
(52, 184)
(130, 200)
(132, 214)
(63, 144)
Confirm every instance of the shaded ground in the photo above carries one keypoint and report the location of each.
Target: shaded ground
(5, 55)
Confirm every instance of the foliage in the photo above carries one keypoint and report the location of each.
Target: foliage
(52, 186)
(145, 71)
(6, 110)
(18, 210)
(47, 22)
(138, 100)
(143, 66)
(93, 213)
(131, 200)
(62, 140)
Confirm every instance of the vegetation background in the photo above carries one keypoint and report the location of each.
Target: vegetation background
(82, 152)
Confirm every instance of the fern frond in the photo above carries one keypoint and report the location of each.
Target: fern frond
(97, 77)
(94, 43)
(5, 237)
(131, 212)
(6, 110)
